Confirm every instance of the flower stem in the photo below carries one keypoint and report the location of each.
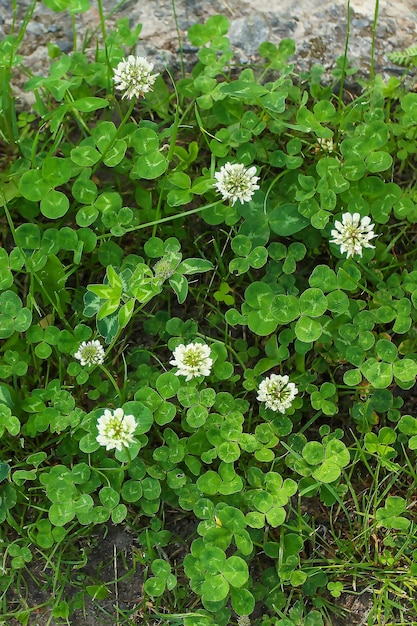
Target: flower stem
(113, 381)
(102, 20)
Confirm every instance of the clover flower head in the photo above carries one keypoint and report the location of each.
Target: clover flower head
(115, 429)
(192, 360)
(277, 392)
(165, 267)
(133, 76)
(236, 182)
(353, 233)
(243, 620)
(326, 144)
(90, 353)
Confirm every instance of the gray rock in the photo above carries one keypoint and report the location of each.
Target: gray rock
(248, 33)
(36, 28)
(318, 27)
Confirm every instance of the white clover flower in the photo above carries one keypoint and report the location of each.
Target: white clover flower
(326, 144)
(353, 233)
(192, 360)
(277, 392)
(90, 353)
(115, 429)
(235, 182)
(133, 76)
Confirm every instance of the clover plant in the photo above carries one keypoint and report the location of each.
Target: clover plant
(208, 297)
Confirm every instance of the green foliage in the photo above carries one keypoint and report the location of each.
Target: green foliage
(117, 231)
(404, 57)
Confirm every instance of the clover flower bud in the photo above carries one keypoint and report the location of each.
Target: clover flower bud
(166, 266)
(325, 144)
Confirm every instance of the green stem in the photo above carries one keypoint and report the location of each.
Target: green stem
(102, 472)
(69, 99)
(129, 457)
(74, 33)
(300, 362)
(271, 186)
(311, 421)
(372, 69)
(113, 381)
(170, 153)
(172, 217)
(345, 57)
(26, 20)
(179, 38)
(102, 20)
(394, 241)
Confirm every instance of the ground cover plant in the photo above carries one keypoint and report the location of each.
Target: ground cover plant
(208, 303)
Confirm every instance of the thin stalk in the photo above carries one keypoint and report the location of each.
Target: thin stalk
(102, 20)
(113, 382)
(374, 25)
(280, 175)
(170, 153)
(344, 66)
(180, 47)
(74, 33)
(172, 217)
(26, 20)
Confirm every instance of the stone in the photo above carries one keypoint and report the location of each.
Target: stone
(318, 28)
